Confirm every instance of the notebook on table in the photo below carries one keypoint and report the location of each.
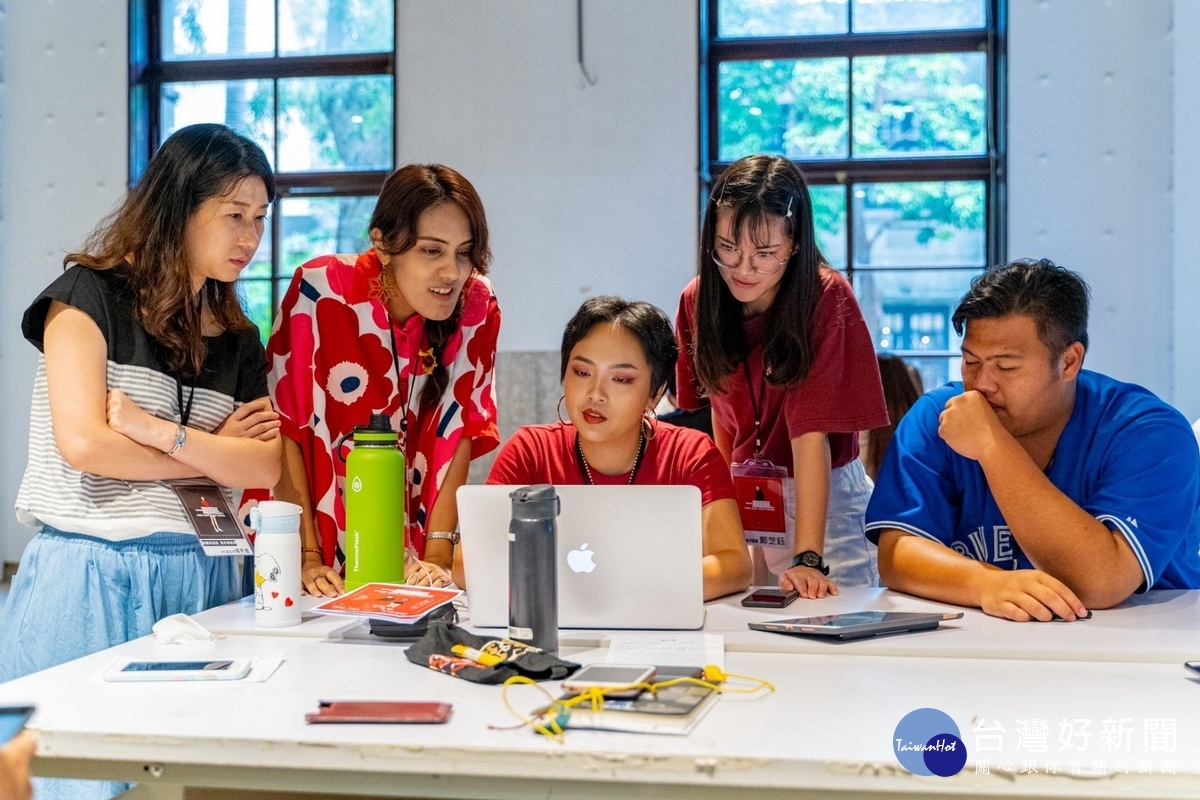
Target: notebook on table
(628, 556)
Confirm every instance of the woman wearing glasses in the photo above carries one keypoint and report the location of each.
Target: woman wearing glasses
(776, 341)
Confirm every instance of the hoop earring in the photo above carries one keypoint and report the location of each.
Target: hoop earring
(650, 421)
(558, 409)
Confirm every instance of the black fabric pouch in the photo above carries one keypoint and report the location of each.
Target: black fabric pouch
(412, 631)
(435, 651)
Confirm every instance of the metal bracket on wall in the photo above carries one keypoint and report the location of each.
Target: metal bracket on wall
(579, 43)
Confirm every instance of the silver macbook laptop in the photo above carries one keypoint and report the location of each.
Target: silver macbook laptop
(628, 556)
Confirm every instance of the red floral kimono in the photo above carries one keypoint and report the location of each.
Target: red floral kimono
(331, 367)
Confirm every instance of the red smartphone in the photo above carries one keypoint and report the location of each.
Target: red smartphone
(383, 711)
(769, 598)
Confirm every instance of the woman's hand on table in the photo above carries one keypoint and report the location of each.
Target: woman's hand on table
(424, 573)
(809, 582)
(319, 580)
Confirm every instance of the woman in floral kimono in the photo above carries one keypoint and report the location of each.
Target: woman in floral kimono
(406, 329)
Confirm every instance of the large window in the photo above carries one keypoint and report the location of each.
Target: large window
(894, 110)
(310, 80)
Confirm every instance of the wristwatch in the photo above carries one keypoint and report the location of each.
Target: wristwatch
(811, 558)
(453, 536)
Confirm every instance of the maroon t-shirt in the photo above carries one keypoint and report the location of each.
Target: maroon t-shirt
(674, 457)
(841, 395)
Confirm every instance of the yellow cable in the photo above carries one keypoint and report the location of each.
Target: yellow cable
(558, 710)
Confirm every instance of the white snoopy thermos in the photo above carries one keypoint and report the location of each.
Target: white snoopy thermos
(276, 564)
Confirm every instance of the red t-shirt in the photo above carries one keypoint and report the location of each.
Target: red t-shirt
(675, 456)
(841, 395)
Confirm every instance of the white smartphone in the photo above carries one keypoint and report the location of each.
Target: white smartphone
(610, 676)
(225, 669)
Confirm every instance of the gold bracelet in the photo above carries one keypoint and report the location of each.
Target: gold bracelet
(316, 550)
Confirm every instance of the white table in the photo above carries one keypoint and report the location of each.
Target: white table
(1159, 626)
(827, 729)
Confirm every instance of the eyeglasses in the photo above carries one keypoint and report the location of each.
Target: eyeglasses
(728, 257)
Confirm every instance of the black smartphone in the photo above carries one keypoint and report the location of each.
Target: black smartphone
(769, 598)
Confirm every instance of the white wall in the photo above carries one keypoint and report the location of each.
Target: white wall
(1090, 110)
(588, 189)
(64, 146)
(1185, 308)
(593, 189)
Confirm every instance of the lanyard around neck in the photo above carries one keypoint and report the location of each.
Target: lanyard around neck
(185, 412)
(755, 405)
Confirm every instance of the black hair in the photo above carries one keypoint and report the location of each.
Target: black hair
(646, 321)
(1054, 297)
(407, 194)
(146, 237)
(757, 190)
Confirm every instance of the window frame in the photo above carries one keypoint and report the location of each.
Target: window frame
(988, 167)
(149, 72)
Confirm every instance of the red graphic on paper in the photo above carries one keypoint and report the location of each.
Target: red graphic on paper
(392, 601)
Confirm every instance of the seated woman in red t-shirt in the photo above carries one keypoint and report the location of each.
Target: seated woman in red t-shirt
(616, 357)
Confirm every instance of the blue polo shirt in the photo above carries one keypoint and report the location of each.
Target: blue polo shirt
(1125, 457)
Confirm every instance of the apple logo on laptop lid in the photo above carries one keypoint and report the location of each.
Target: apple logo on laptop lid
(581, 560)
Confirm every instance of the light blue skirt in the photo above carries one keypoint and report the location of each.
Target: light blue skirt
(74, 595)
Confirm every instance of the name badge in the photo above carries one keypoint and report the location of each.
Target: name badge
(211, 518)
(758, 485)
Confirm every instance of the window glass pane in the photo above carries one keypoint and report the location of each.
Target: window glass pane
(254, 284)
(246, 106)
(910, 310)
(335, 123)
(324, 27)
(920, 105)
(794, 108)
(829, 219)
(261, 265)
(255, 294)
(197, 29)
(925, 224)
(917, 15)
(743, 18)
(935, 371)
(320, 226)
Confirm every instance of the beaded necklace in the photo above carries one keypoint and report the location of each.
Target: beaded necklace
(587, 470)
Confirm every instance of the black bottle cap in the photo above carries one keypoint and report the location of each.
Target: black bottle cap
(380, 423)
(535, 502)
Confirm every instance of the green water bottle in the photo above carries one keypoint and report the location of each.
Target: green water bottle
(375, 492)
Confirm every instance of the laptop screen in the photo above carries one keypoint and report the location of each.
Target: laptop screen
(628, 556)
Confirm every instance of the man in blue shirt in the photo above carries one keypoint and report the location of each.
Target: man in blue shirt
(1036, 488)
